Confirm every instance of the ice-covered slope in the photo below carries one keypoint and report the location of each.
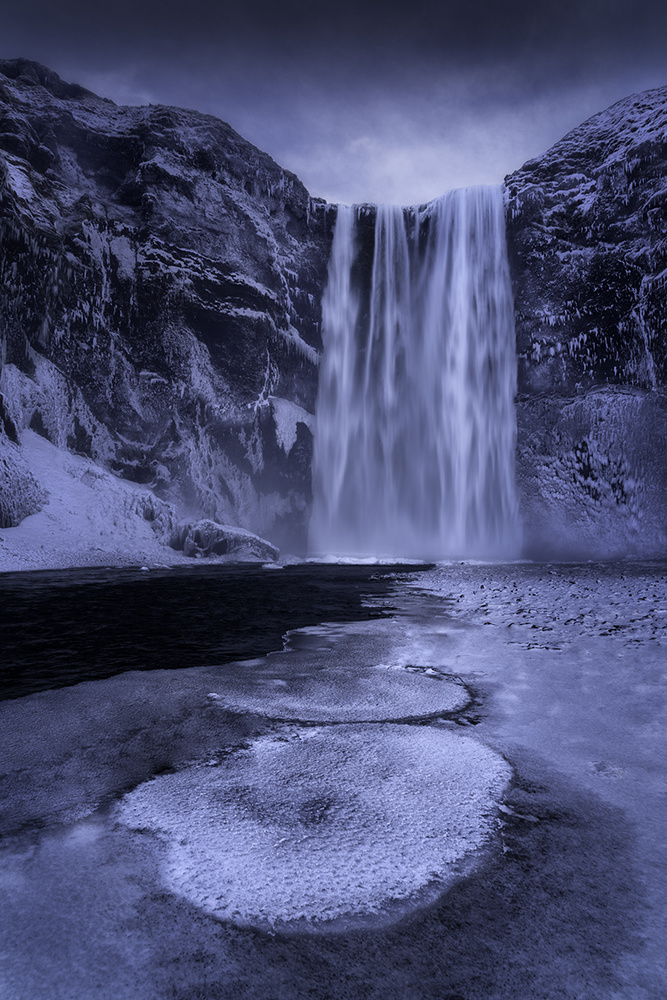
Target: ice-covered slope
(159, 301)
(587, 234)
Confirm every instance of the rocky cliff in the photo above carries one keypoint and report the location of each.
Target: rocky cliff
(160, 281)
(587, 236)
(160, 304)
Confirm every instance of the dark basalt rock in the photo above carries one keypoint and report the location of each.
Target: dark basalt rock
(160, 283)
(587, 237)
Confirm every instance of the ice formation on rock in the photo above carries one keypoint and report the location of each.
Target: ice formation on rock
(585, 229)
(323, 824)
(414, 451)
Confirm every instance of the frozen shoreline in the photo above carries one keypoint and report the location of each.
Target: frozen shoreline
(566, 664)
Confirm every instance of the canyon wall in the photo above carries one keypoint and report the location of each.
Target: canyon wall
(161, 283)
(587, 239)
(160, 286)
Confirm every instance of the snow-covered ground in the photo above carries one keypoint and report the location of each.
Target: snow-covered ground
(481, 813)
(93, 518)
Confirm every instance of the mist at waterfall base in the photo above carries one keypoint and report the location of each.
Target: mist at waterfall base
(414, 445)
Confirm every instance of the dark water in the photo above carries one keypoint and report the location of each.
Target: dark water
(61, 627)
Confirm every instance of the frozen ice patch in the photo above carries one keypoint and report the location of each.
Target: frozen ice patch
(315, 687)
(356, 672)
(324, 827)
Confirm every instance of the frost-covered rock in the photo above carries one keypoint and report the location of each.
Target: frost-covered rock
(20, 494)
(160, 281)
(206, 538)
(591, 473)
(586, 226)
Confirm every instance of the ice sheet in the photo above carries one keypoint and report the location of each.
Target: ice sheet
(568, 668)
(336, 683)
(322, 824)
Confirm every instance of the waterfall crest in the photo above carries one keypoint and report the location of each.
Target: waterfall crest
(414, 446)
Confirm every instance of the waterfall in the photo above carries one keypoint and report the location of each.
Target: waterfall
(414, 445)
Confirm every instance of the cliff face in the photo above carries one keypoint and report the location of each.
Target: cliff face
(160, 290)
(587, 236)
(160, 281)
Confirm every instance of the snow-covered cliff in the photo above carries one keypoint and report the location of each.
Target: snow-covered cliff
(160, 281)
(587, 236)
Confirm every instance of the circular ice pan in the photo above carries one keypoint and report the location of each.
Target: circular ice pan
(298, 688)
(323, 827)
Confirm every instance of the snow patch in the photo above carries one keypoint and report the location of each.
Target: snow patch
(124, 254)
(91, 517)
(19, 180)
(286, 416)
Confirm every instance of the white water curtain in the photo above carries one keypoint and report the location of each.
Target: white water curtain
(415, 438)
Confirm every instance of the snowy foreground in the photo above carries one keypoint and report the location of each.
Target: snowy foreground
(465, 800)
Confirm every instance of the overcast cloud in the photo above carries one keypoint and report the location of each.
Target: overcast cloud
(365, 101)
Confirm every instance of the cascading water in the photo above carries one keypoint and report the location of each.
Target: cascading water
(414, 447)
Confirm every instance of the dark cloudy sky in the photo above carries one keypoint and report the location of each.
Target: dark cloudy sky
(365, 101)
